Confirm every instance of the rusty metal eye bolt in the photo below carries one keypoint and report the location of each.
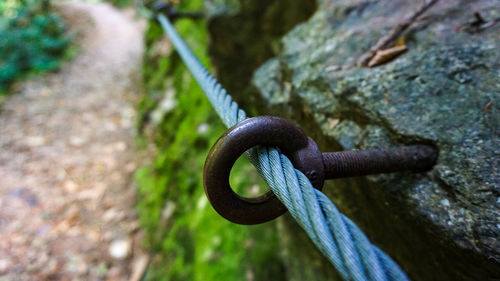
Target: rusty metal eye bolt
(265, 130)
(304, 155)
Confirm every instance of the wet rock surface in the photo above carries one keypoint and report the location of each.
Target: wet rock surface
(444, 91)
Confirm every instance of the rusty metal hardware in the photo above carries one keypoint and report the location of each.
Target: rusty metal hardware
(173, 14)
(305, 156)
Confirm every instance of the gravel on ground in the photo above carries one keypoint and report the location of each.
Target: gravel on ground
(67, 158)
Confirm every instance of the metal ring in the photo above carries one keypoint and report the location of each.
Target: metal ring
(263, 130)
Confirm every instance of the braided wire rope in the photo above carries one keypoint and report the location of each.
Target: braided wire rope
(336, 236)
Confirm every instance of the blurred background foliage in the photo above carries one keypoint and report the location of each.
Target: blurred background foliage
(33, 39)
(188, 239)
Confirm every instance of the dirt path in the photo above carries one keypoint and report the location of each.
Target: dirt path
(67, 159)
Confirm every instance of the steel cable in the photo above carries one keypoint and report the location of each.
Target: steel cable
(335, 235)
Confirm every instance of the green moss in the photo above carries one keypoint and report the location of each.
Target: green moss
(189, 240)
(32, 40)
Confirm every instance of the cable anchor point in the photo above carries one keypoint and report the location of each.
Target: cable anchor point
(305, 156)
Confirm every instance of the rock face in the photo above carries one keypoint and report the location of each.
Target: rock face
(444, 91)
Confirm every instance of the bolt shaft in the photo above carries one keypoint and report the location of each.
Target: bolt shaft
(417, 158)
